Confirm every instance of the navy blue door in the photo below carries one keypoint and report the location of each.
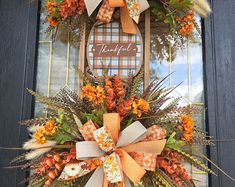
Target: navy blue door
(18, 35)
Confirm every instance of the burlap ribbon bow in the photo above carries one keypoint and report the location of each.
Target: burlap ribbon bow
(129, 9)
(107, 152)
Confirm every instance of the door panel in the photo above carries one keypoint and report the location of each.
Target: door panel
(18, 35)
(219, 73)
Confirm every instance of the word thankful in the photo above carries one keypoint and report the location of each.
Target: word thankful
(124, 49)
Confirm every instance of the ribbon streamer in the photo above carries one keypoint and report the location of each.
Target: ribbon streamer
(91, 5)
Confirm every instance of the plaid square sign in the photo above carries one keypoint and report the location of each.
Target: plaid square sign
(109, 48)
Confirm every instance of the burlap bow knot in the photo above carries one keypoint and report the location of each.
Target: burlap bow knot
(107, 152)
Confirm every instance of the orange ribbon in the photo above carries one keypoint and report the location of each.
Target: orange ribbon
(129, 166)
(106, 11)
(116, 3)
(107, 138)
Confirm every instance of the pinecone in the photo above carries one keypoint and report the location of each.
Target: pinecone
(118, 87)
(109, 94)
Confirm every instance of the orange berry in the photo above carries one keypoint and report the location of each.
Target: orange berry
(49, 163)
(52, 175)
(57, 158)
(58, 167)
(48, 183)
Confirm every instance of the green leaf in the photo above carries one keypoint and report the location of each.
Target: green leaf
(96, 116)
(180, 4)
(62, 137)
(93, 117)
(173, 143)
(65, 130)
(60, 117)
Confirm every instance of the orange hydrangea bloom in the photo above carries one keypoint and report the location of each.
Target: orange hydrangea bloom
(50, 127)
(140, 107)
(187, 127)
(39, 136)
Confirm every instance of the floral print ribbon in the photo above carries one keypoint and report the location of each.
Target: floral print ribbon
(116, 156)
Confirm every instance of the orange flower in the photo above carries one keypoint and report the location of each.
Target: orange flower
(95, 94)
(186, 23)
(124, 107)
(88, 91)
(187, 137)
(140, 107)
(52, 22)
(187, 127)
(50, 127)
(118, 87)
(50, 6)
(109, 93)
(99, 94)
(39, 136)
(71, 7)
(186, 29)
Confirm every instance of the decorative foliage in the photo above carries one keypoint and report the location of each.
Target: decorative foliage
(57, 144)
(173, 20)
(195, 162)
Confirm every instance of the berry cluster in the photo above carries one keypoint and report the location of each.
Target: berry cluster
(186, 23)
(169, 163)
(52, 164)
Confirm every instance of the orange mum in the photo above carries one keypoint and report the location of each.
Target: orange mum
(140, 107)
(94, 94)
(50, 127)
(187, 127)
(99, 95)
(39, 136)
